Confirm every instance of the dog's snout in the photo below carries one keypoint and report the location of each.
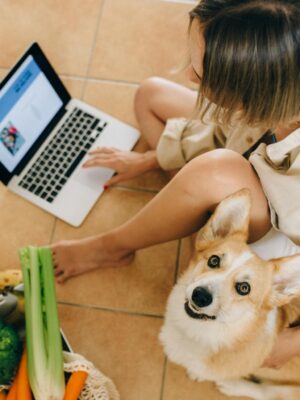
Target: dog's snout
(201, 297)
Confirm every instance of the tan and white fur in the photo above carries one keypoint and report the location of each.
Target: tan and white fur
(227, 335)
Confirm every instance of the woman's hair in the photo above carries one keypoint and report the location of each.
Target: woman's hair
(251, 61)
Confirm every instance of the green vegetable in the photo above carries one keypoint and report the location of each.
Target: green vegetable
(10, 352)
(43, 339)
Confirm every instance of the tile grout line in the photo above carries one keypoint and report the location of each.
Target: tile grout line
(92, 47)
(53, 230)
(108, 309)
(163, 380)
(93, 79)
(177, 264)
(162, 391)
(117, 81)
(177, 260)
(89, 78)
(99, 80)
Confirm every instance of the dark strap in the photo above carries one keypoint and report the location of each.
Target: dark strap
(268, 138)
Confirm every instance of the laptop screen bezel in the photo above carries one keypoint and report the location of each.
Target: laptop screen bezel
(39, 57)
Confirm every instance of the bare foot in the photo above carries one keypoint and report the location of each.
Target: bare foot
(74, 257)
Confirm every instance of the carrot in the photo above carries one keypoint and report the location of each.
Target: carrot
(23, 387)
(2, 396)
(12, 394)
(75, 385)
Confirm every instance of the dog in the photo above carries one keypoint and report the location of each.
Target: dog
(226, 311)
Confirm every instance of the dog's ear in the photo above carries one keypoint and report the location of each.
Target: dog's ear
(231, 216)
(286, 280)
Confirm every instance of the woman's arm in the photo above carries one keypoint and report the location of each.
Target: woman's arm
(286, 347)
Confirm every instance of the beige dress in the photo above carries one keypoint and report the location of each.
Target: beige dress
(277, 164)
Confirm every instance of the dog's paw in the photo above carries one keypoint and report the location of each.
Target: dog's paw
(230, 388)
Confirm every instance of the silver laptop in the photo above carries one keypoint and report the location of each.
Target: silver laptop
(45, 136)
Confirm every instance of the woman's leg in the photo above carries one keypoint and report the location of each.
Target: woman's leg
(180, 209)
(158, 99)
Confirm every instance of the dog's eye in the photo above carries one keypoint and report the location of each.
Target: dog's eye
(243, 288)
(214, 261)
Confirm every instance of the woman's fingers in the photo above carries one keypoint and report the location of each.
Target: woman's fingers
(103, 150)
(115, 179)
(127, 164)
(100, 162)
(102, 157)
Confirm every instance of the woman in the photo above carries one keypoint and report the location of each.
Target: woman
(245, 56)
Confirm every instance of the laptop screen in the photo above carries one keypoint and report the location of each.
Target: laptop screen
(28, 102)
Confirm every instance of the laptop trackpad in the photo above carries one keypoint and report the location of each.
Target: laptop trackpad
(94, 178)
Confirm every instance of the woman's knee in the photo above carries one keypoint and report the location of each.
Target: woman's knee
(148, 89)
(222, 172)
(220, 163)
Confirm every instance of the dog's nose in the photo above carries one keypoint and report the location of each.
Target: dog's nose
(201, 297)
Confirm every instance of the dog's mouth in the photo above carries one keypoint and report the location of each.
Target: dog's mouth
(191, 312)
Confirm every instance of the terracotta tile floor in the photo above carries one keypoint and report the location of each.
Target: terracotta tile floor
(102, 50)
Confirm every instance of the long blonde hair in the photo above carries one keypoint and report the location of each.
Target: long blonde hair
(251, 62)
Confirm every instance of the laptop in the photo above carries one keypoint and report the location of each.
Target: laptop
(45, 136)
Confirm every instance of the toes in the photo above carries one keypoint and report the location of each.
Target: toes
(60, 279)
(58, 271)
(56, 266)
(55, 261)
(54, 256)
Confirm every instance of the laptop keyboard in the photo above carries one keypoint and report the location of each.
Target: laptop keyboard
(50, 172)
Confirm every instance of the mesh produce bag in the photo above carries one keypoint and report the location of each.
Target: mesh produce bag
(97, 385)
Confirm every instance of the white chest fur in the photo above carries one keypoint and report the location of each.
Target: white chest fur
(185, 352)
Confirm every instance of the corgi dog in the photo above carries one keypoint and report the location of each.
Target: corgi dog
(227, 309)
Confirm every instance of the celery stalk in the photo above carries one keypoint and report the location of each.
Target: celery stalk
(54, 343)
(44, 345)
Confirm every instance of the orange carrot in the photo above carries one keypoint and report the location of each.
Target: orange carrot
(23, 387)
(75, 385)
(2, 396)
(12, 394)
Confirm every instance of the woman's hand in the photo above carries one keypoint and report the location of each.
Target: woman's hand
(127, 164)
(286, 346)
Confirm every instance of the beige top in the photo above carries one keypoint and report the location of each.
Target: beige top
(277, 164)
